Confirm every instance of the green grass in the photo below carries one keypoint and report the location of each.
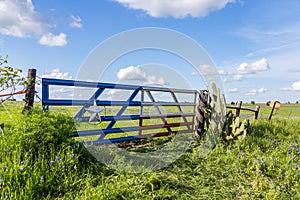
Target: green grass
(35, 164)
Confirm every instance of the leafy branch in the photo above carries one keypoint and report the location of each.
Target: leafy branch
(10, 78)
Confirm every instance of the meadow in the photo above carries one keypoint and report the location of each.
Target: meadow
(39, 160)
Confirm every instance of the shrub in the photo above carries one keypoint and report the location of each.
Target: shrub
(39, 158)
(45, 129)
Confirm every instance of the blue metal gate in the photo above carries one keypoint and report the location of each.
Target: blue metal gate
(181, 119)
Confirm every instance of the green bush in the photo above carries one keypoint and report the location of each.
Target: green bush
(39, 159)
(41, 130)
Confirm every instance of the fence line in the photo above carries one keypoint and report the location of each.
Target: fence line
(238, 109)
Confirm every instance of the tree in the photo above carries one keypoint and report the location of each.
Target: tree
(297, 102)
(10, 78)
(252, 102)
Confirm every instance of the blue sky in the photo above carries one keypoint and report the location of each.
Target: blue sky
(255, 44)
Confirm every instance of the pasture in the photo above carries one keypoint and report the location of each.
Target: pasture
(39, 160)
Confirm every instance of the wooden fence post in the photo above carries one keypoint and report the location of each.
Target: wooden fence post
(256, 111)
(200, 118)
(30, 90)
(238, 108)
(270, 116)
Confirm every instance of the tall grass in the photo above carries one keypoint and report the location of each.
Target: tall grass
(39, 160)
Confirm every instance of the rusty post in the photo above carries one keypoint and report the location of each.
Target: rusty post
(270, 116)
(30, 90)
(256, 111)
(238, 108)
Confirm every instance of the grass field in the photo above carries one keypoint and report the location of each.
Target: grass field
(38, 160)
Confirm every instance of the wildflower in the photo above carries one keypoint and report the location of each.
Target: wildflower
(51, 163)
(72, 156)
(56, 158)
(283, 187)
(23, 162)
(75, 167)
(292, 145)
(239, 156)
(63, 167)
(0, 189)
(21, 170)
(1, 180)
(144, 179)
(60, 160)
(41, 178)
(297, 167)
(3, 169)
(60, 195)
(8, 149)
(39, 156)
(259, 161)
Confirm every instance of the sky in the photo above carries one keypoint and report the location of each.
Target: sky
(254, 44)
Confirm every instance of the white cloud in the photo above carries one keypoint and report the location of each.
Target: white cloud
(53, 40)
(206, 70)
(295, 87)
(260, 65)
(176, 8)
(18, 18)
(223, 72)
(237, 77)
(135, 73)
(233, 90)
(132, 73)
(76, 22)
(64, 92)
(256, 91)
(55, 73)
(262, 90)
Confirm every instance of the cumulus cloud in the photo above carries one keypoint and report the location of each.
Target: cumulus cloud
(58, 91)
(176, 8)
(135, 73)
(57, 74)
(260, 65)
(256, 91)
(18, 18)
(53, 40)
(76, 22)
(233, 90)
(223, 72)
(237, 77)
(295, 87)
(206, 70)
